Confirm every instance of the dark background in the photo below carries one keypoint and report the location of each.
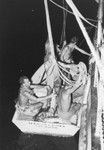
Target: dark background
(23, 34)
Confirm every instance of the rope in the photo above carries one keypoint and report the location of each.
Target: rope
(84, 19)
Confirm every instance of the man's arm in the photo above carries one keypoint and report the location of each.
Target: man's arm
(82, 51)
(33, 99)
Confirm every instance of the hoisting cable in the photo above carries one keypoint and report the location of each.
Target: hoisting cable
(84, 19)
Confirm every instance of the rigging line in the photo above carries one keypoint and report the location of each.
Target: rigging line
(64, 65)
(65, 79)
(64, 69)
(84, 39)
(72, 13)
(91, 20)
(82, 51)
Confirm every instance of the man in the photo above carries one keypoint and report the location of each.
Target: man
(28, 101)
(44, 142)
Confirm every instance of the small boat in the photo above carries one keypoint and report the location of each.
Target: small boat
(58, 100)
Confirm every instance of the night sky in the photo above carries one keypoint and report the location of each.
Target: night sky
(23, 35)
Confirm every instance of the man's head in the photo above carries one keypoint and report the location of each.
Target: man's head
(74, 40)
(25, 80)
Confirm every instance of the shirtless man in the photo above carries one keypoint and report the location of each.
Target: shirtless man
(65, 109)
(28, 102)
(65, 53)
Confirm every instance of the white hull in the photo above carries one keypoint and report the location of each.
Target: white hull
(45, 128)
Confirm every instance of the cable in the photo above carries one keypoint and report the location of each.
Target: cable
(72, 13)
(91, 20)
(84, 39)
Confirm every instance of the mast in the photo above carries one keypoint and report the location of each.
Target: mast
(100, 20)
(63, 35)
(100, 85)
(49, 29)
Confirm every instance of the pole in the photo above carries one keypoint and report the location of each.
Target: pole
(49, 28)
(100, 17)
